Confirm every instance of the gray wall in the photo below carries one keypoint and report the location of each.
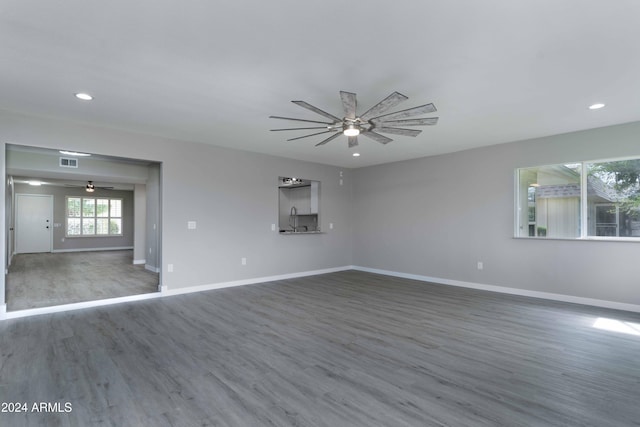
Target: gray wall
(439, 216)
(140, 223)
(152, 235)
(62, 243)
(8, 218)
(232, 195)
(35, 165)
(435, 216)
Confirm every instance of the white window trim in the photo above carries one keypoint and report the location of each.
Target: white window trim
(66, 217)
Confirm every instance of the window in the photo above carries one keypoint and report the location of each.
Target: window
(92, 216)
(614, 198)
(549, 201)
(552, 200)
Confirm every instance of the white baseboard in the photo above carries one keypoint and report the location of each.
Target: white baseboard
(505, 290)
(139, 261)
(119, 248)
(75, 306)
(178, 291)
(152, 268)
(163, 291)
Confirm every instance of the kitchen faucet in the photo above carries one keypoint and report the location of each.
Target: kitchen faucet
(293, 214)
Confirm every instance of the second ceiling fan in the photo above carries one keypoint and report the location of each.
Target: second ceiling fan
(370, 124)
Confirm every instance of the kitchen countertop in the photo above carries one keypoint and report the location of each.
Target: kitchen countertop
(300, 232)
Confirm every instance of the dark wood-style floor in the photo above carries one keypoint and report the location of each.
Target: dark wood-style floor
(48, 279)
(341, 349)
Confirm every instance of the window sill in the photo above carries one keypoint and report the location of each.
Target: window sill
(584, 239)
(93, 235)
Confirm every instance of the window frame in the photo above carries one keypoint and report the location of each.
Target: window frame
(584, 219)
(95, 216)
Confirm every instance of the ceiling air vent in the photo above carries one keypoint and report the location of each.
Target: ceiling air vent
(66, 162)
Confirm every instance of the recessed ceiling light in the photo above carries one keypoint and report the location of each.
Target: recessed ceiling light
(35, 183)
(596, 106)
(74, 153)
(84, 96)
(356, 154)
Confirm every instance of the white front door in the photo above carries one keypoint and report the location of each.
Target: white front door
(34, 217)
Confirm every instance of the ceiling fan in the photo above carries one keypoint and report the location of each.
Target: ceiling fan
(370, 124)
(90, 187)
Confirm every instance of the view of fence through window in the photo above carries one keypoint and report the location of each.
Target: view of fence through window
(88, 216)
(551, 200)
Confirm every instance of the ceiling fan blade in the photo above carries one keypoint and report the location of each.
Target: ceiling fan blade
(377, 137)
(411, 122)
(313, 134)
(353, 141)
(390, 101)
(329, 139)
(317, 110)
(349, 104)
(316, 127)
(398, 131)
(300, 120)
(422, 109)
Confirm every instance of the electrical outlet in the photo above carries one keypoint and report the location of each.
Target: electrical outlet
(480, 265)
(170, 268)
(330, 226)
(243, 261)
(191, 225)
(273, 227)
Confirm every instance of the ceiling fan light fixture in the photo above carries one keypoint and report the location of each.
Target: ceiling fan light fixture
(351, 130)
(90, 187)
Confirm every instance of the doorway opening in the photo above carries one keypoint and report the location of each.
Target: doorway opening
(79, 234)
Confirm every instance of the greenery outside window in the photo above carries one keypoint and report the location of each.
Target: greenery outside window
(614, 201)
(93, 216)
(598, 199)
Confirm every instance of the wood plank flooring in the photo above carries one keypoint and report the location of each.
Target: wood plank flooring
(341, 349)
(48, 279)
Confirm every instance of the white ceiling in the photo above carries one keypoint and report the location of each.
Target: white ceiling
(213, 71)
